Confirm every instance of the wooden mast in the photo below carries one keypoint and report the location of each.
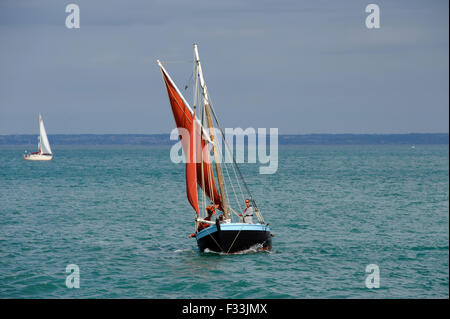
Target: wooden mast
(211, 135)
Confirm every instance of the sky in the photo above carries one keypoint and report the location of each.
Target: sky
(300, 66)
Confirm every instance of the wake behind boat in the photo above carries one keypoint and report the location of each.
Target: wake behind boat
(44, 152)
(218, 225)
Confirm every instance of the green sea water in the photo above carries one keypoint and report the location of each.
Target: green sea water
(121, 215)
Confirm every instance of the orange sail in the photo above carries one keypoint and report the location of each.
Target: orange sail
(183, 119)
(191, 167)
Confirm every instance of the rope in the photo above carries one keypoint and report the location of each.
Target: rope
(196, 95)
(235, 213)
(237, 179)
(237, 235)
(236, 167)
(233, 157)
(232, 187)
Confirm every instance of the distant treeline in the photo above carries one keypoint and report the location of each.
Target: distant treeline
(163, 139)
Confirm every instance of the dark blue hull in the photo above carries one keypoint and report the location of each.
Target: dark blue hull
(234, 237)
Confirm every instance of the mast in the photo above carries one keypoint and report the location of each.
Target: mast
(211, 135)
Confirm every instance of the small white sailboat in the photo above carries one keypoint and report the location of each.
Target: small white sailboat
(44, 152)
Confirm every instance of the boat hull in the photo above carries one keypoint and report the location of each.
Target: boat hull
(234, 237)
(37, 157)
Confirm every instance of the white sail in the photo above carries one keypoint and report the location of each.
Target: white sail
(45, 145)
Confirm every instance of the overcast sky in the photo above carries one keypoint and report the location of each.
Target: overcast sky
(301, 66)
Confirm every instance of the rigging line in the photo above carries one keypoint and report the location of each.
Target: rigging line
(196, 101)
(201, 155)
(234, 159)
(235, 166)
(203, 192)
(232, 187)
(192, 77)
(234, 191)
(235, 239)
(226, 192)
(240, 189)
(218, 245)
(209, 167)
(211, 173)
(188, 82)
(211, 179)
(237, 179)
(201, 158)
(224, 184)
(202, 167)
(258, 213)
(170, 99)
(239, 217)
(209, 234)
(227, 148)
(201, 146)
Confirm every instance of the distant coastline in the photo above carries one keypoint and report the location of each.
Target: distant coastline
(285, 139)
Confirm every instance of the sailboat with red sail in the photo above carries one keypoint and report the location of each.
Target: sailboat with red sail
(215, 191)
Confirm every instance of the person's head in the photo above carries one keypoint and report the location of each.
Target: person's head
(247, 202)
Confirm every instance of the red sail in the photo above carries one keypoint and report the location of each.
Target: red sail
(183, 119)
(191, 167)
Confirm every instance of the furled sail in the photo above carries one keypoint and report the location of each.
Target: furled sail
(44, 144)
(183, 116)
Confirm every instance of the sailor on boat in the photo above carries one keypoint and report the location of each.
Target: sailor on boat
(248, 212)
(211, 209)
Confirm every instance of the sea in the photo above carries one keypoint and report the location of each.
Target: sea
(349, 221)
